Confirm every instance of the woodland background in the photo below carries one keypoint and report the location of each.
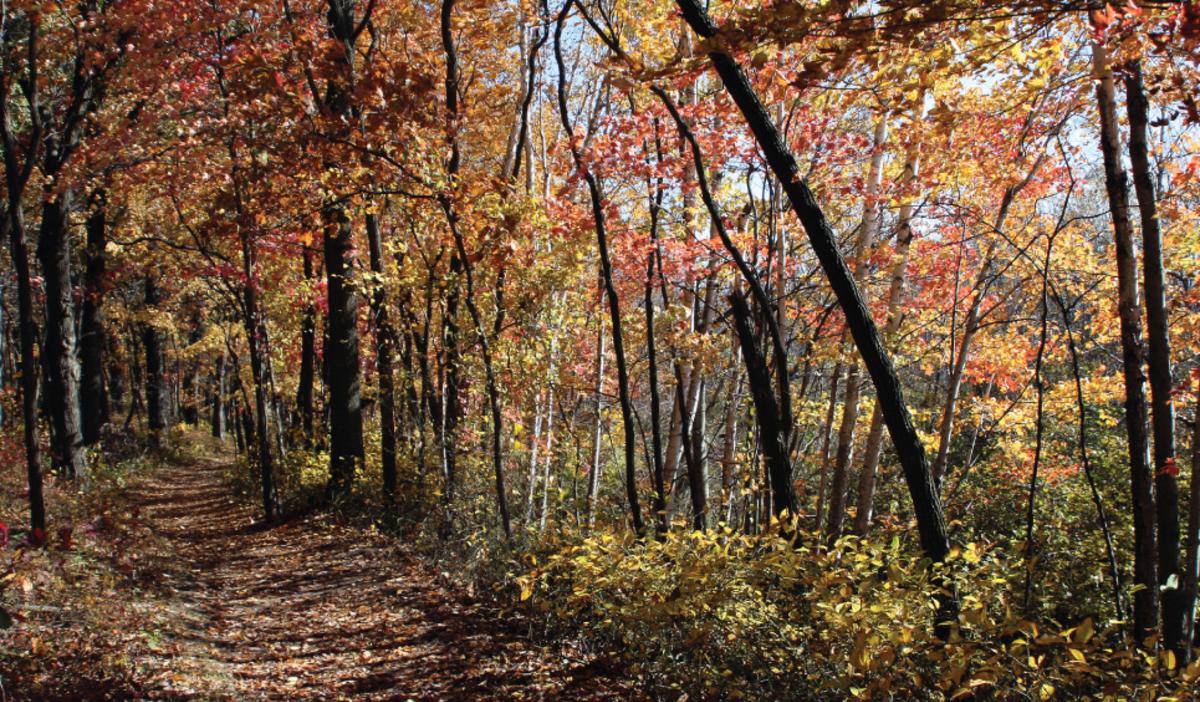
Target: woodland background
(784, 349)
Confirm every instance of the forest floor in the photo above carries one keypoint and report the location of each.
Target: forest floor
(311, 609)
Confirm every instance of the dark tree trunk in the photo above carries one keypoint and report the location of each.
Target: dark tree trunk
(1145, 600)
(117, 377)
(1166, 472)
(447, 203)
(156, 388)
(766, 411)
(188, 389)
(926, 503)
(1191, 580)
(614, 303)
(343, 374)
(384, 358)
(259, 431)
(239, 438)
(449, 410)
(308, 359)
(14, 226)
(660, 495)
(59, 355)
(93, 397)
(136, 385)
(217, 415)
(16, 177)
(342, 358)
(249, 435)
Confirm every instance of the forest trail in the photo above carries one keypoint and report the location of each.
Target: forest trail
(311, 610)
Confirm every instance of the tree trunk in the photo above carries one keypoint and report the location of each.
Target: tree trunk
(868, 476)
(59, 355)
(343, 375)
(342, 358)
(614, 304)
(872, 214)
(308, 359)
(217, 416)
(733, 407)
(656, 448)
(928, 508)
(546, 462)
(766, 412)
(1145, 601)
(1191, 579)
(1158, 336)
(696, 414)
(698, 467)
(239, 439)
(835, 381)
(593, 485)
(93, 399)
(384, 358)
(14, 227)
(156, 390)
(447, 203)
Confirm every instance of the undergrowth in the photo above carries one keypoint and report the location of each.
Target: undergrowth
(725, 615)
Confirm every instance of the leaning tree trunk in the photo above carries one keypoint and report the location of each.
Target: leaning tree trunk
(93, 398)
(931, 523)
(59, 354)
(766, 411)
(1145, 566)
(1166, 473)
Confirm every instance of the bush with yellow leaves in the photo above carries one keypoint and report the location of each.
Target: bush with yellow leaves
(765, 617)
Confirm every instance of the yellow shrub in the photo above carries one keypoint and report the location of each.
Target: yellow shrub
(766, 618)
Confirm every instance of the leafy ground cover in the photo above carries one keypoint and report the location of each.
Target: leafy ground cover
(173, 590)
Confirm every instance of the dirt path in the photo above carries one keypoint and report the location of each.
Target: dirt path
(310, 610)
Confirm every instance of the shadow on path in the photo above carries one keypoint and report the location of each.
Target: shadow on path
(310, 610)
